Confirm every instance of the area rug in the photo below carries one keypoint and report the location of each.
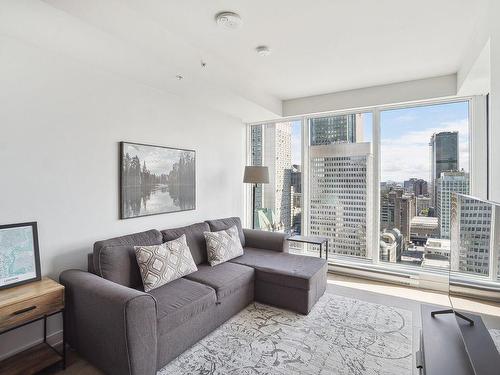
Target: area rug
(340, 336)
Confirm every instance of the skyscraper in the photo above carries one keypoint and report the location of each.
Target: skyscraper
(397, 209)
(448, 183)
(408, 212)
(336, 129)
(296, 185)
(474, 230)
(272, 147)
(444, 157)
(341, 196)
(256, 135)
(296, 179)
(416, 186)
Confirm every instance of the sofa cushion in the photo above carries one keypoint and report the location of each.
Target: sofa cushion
(179, 301)
(290, 270)
(225, 278)
(223, 224)
(161, 264)
(223, 245)
(194, 238)
(114, 259)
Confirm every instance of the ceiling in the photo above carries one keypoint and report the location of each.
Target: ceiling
(318, 46)
(323, 46)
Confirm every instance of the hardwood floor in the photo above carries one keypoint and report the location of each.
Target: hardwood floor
(349, 285)
(75, 365)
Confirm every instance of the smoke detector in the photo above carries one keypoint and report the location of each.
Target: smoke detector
(228, 20)
(263, 50)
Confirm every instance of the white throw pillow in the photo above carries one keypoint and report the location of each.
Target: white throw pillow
(223, 245)
(161, 264)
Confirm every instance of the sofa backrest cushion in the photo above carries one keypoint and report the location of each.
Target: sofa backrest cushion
(114, 259)
(194, 238)
(223, 224)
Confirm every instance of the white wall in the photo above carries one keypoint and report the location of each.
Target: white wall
(480, 74)
(60, 124)
(422, 89)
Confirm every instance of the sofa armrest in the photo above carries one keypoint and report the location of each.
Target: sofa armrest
(112, 326)
(261, 239)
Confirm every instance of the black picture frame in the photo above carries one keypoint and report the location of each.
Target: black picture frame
(122, 199)
(36, 253)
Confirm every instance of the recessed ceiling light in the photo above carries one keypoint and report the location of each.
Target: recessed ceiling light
(228, 20)
(179, 77)
(263, 50)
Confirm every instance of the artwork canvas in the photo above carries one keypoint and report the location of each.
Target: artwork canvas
(156, 180)
(19, 255)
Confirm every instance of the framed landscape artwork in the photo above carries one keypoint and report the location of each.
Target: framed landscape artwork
(19, 255)
(156, 180)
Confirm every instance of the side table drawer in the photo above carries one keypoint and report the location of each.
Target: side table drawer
(27, 310)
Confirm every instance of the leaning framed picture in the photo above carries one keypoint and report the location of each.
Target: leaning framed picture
(156, 180)
(19, 254)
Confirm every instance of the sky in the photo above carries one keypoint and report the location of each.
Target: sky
(158, 159)
(405, 136)
(296, 142)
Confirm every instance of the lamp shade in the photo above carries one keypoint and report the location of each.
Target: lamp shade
(256, 175)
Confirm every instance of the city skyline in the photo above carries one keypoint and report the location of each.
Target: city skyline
(400, 141)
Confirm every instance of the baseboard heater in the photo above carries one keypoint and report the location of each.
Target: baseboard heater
(372, 274)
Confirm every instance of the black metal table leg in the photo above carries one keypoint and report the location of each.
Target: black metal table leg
(45, 328)
(321, 250)
(64, 340)
(326, 246)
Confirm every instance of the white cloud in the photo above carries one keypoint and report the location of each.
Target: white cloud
(296, 150)
(409, 156)
(405, 118)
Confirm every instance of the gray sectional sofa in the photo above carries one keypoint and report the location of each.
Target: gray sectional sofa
(120, 329)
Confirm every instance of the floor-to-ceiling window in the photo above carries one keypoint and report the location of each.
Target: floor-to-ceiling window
(424, 160)
(340, 182)
(278, 203)
(385, 185)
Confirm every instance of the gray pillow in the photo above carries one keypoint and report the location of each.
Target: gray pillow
(161, 264)
(223, 245)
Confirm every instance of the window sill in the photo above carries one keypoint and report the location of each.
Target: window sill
(431, 279)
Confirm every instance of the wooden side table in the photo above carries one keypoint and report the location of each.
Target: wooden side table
(314, 240)
(26, 304)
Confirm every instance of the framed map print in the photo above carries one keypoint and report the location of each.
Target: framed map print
(19, 255)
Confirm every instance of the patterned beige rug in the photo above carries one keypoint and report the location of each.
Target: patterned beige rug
(340, 336)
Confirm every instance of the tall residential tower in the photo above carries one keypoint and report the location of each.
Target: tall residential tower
(448, 183)
(444, 157)
(272, 147)
(341, 177)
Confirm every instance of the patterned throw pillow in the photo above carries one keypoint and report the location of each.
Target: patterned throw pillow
(223, 245)
(161, 264)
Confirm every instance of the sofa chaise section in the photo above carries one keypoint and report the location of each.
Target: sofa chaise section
(284, 280)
